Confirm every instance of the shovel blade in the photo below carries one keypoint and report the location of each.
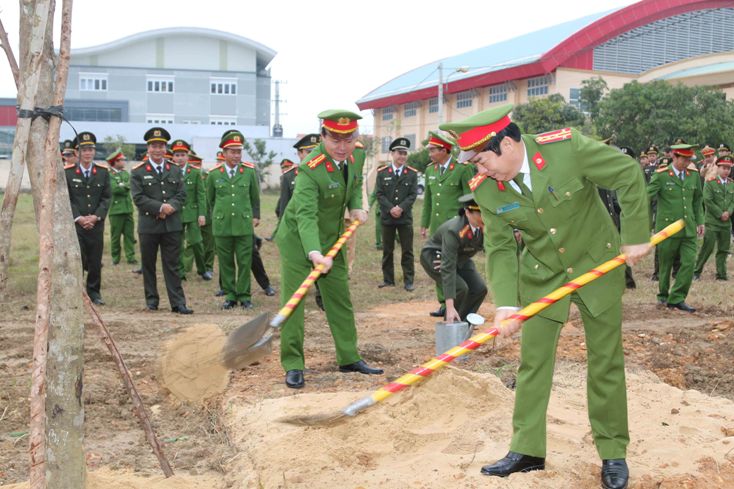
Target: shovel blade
(246, 344)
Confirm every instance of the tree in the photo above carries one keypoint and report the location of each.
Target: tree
(259, 155)
(112, 144)
(591, 93)
(546, 114)
(658, 112)
(419, 160)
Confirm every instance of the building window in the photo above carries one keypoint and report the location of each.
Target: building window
(464, 99)
(388, 113)
(95, 114)
(223, 86)
(385, 143)
(433, 105)
(222, 121)
(411, 138)
(93, 82)
(160, 84)
(159, 119)
(498, 93)
(411, 109)
(538, 86)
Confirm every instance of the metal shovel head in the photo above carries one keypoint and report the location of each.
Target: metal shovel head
(244, 346)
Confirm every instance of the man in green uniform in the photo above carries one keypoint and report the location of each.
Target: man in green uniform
(89, 193)
(328, 182)
(718, 201)
(677, 190)
(396, 188)
(207, 240)
(546, 187)
(122, 224)
(158, 191)
(233, 192)
(447, 259)
(446, 181)
(193, 214)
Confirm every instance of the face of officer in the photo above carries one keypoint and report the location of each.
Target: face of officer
(474, 218)
(437, 154)
(156, 151)
(232, 156)
(399, 157)
(86, 155)
(119, 163)
(339, 146)
(723, 171)
(681, 162)
(180, 158)
(504, 166)
(70, 158)
(302, 153)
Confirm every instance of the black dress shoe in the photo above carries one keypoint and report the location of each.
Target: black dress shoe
(514, 462)
(229, 304)
(438, 313)
(247, 305)
(614, 474)
(152, 307)
(98, 301)
(269, 291)
(654, 277)
(294, 379)
(360, 367)
(206, 275)
(220, 293)
(696, 276)
(386, 284)
(182, 310)
(409, 287)
(682, 306)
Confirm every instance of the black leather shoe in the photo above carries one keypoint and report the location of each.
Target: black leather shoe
(319, 302)
(682, 306)
(247, 305)
(614, 474)
(98, 301)
(152, 307)
(220, 293)
(696, 276)
(385, 284)
(207, 275)
(654, 277)
(269, 291)
(182, 310)
(294, 379)
(514, 462)
(360, 367)
(438, 313)
(409, 287)
(229, 304)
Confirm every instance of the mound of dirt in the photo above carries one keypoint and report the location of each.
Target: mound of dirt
(108, 479)
(191, 367)
(442, 432)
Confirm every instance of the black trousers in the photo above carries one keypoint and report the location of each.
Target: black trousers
(257, 267)
(170, 246)
(470, 287)
(91, 244)
(407, 260)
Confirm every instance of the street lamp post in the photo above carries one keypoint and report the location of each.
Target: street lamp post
(460, 69)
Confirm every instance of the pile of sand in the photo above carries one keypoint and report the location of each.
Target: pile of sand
(107, 479)
(191, 364)
(442, 432)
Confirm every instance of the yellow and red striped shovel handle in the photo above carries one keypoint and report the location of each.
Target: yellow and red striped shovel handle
(295, 299)
(418, 374)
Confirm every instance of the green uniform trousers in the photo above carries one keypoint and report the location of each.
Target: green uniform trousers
(208, 244)
(193, 250)
(122, 225)
(670, 249)
(337, 304)
(235, 257)
(719, 238)
(605, 384)
(439, 288)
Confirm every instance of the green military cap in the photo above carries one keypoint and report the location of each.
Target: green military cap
(308, 141)
(468, 202)
(681, 148)
(725, 161)
(155, 134)
(179, 145)
(194, 158)
(339, 121)
(232, 139)
(85, 138)
(439, 140)
(400, 143)
(114, 157)
(285, 163)
(473, 132)
(67, 147)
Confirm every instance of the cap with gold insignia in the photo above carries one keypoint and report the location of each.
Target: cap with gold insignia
(309, 141)
(85, 138)
(708, 150)
(724, 147)
(725, 161)
(652, 150)
(168, 155)
(232, 139)
(681, 148)
(664, 162)
(439, 140)
(194, 158)
(400, 143)
(285, 163)
(473, 132)
(339, 121)
(179, 145)
(468, 202)
(67, 147)
(220, 156)
(156, 134)
(627, 151)
(115, 157)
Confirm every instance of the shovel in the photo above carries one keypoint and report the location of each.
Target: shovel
(252, 341)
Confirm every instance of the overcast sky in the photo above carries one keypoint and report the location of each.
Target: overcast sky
(329, 53)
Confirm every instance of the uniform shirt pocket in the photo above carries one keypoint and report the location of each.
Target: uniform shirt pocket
(565, 192)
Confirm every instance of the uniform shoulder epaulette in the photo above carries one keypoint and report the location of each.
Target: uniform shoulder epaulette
(406, 166)
(139, 165)
(661, 169)
(315, 161)
(476, 181)
(359, 145)
(101, 165)
(294, 167)
(69, 166)
(383, 168)
(466, 229)
(217, 167)
(248, 164)
(554, 136)
(692, 167)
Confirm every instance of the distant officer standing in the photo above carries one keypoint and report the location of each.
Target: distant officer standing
(396, 188)
(207, 240)
(159, 194)
(68, 153)
(233, 192)
(677, 190)
(447, 259)
(89, 194)
(122, 224)
(718, 202)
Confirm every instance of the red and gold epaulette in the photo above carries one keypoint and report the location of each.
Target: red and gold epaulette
(554, 136)
(217, 167)
(248, 164)
(466, 232)
(101, 165)
(383, 168)
(661, 169)
(139, 165)
(69, 166)
(406, 166)
(692, 167)
(316, 161)
(359, 145)
(294, 167)
(476, 181)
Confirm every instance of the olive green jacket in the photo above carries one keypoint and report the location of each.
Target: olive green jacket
(677, 199)
(717, 199)
(196, 202)
(235, 201)
(122, 202)
(441, 198)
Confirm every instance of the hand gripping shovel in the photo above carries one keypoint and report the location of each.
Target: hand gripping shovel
(252, 341)
(420, 373)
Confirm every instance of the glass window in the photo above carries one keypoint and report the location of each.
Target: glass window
(464, 99)
(498, 93)
(388, 113)
(93, 82)
(223, 86)
(538, 86)
(433, 105)
(385, 143)
(159, 84)
(411, 109)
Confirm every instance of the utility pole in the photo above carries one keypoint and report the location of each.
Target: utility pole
(277, 128)
(440, 93)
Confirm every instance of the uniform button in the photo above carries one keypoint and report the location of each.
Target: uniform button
(553, 231)
(540, 210)
(164, 200)
(232, 195)
(88, 195)
(438, 194)
(609, 246)
(163, 191)
(536, 266)
(567, 194)
(438, 203)
(436, 214)
(147, 214)
(233, 213)
(561, 250)
(569, 270)
(232, 203)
